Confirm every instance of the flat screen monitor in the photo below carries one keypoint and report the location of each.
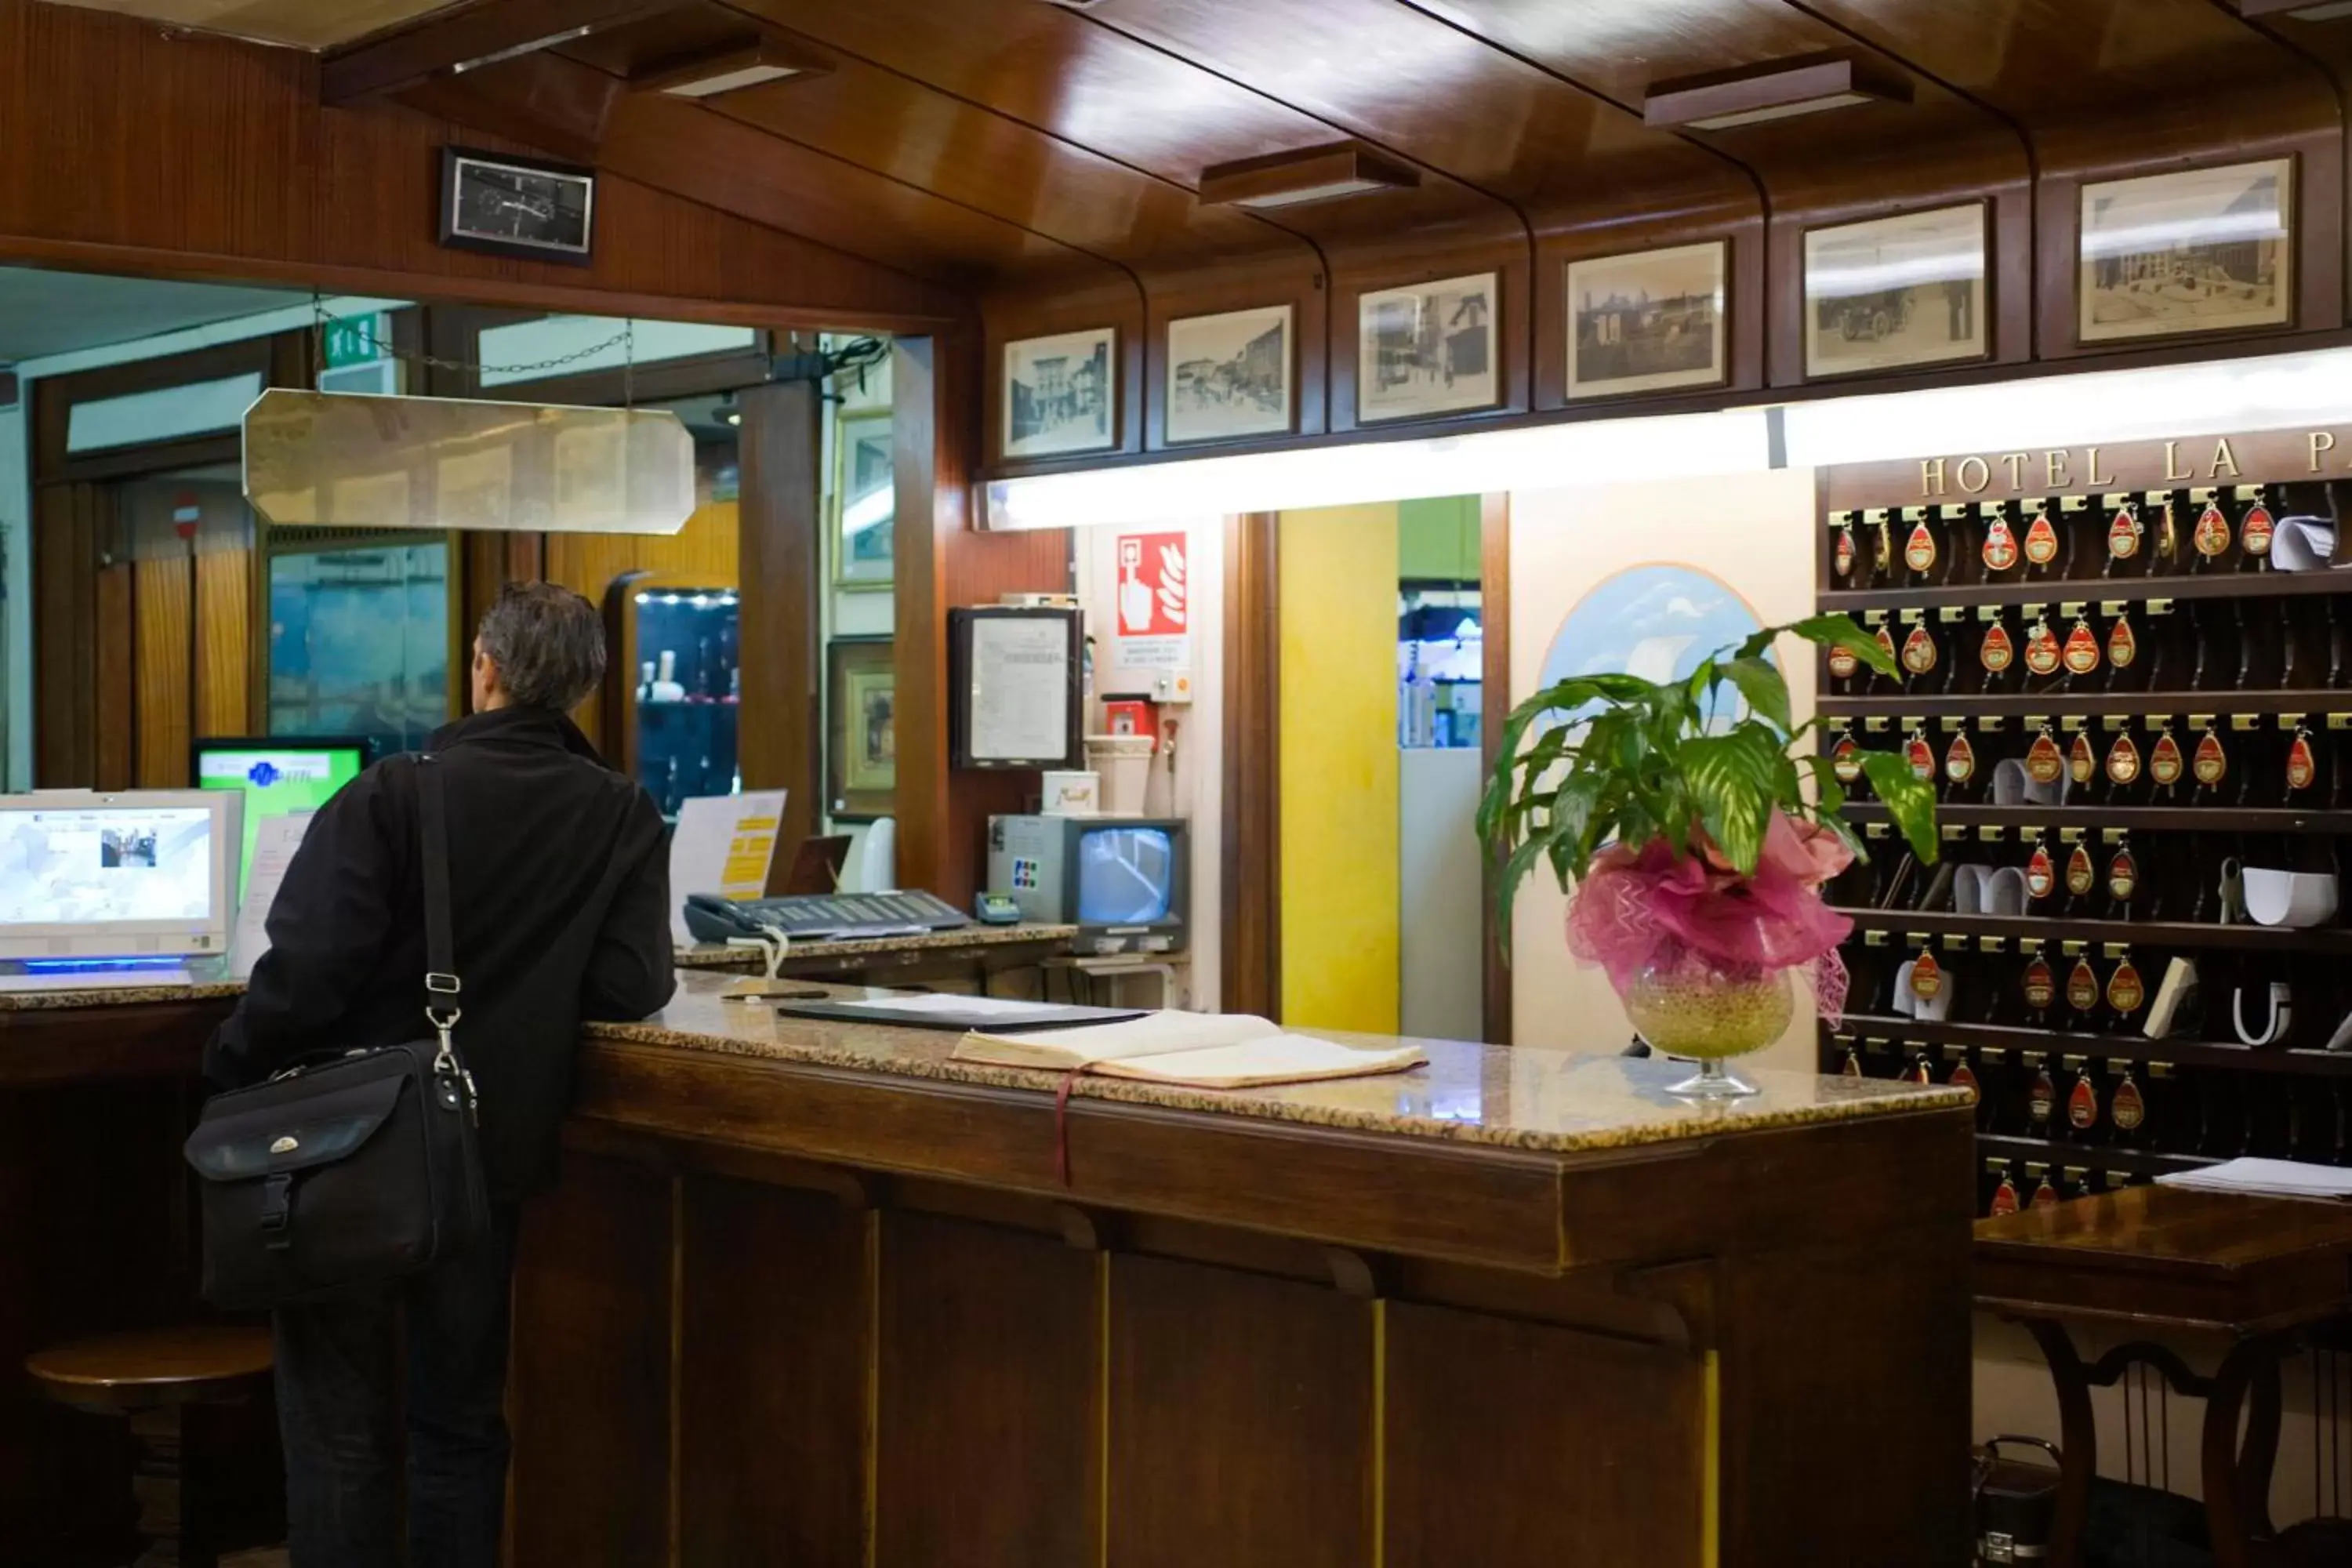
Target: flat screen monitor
(276, 775)
(118, 876)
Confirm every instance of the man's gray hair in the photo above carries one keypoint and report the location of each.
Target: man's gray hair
(548, 643)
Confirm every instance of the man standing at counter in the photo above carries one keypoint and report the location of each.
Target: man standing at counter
(560, 896)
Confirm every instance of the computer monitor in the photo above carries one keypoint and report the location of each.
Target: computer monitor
(116, 876)
(276, 775)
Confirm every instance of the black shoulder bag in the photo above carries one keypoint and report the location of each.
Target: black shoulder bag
(349, 1170)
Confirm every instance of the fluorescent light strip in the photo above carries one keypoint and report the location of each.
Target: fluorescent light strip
(1541, 458)
(2280, 391)
(1310, 194)
(1777, 111)
(2335, 12)
(744, 76)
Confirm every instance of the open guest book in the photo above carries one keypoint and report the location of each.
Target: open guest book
(1203, 1050)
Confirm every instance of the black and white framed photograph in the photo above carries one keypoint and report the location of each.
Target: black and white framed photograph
(1059, 393)
(2205, 250)
(517, 207)
(1229, 376)
(1646, 321)
(1895, 291)
(1427, 349)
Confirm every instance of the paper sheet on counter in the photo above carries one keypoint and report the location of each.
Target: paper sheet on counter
(275, 839)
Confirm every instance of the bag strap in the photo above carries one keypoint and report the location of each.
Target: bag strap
(442, 987)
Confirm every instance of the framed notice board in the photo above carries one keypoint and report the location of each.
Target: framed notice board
(1015, 688)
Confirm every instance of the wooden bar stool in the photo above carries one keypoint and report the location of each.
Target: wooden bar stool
(151, 1379)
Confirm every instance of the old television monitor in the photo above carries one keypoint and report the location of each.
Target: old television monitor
(276, 775)
(1124, 881)
(144, 875)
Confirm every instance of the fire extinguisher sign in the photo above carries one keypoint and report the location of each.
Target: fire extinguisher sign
(1154, 607)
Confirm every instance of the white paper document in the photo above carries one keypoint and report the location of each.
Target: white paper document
(1019, 689)
(273, 843)
(2267, 1178)
(723, 843)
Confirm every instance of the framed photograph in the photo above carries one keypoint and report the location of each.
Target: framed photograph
(1427, 349)
(2207, 250)
(1229, 376)
(864, 501)
(1895, 291)
(1059, 393)
(1646, 321)
(517, 207)
(861, 742)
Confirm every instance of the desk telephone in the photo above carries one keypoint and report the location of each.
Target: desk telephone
(821, 917)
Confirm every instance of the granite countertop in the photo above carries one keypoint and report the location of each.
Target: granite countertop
(714, 956)
(117, 996)
(1515, 1097)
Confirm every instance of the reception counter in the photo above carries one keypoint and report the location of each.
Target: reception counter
(816, 1293)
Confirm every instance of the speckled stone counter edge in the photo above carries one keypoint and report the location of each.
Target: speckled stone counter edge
(925, 1057)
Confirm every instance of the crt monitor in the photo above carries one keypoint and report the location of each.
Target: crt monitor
(86, 875)
(1122, 880)
(276, 775)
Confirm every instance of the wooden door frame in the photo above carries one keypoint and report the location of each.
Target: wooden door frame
(1252, 793)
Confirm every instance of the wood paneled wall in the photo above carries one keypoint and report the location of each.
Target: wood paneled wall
(943, 563)
(129, 148)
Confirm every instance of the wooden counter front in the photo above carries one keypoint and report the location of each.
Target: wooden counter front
(812, 1293)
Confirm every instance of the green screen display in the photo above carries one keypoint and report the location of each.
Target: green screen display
(276, 779)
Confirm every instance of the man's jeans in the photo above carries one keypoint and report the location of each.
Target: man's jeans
(339, 1396)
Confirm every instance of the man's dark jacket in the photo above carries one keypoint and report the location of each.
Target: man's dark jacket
(559, 882)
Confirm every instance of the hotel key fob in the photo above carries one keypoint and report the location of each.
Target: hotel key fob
(996, 910)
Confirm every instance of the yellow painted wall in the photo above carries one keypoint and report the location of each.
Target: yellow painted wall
(1336, 583)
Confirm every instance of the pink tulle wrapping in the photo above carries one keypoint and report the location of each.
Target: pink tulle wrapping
(1638, 909)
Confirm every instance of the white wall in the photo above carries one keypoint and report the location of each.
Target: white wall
(1193, 788)
(1441, 951)
(1754, 531)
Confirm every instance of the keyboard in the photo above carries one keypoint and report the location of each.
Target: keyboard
(835, 917)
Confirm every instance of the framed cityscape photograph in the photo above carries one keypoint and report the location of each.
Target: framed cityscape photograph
(1646, 321)
(1895, 291)
(1229, 376)
(1058, 393)
(1429, 348)
(2206, 250)
(861, 742)
(864, 501)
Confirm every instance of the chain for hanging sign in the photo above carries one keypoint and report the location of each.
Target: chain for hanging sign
(625, 339)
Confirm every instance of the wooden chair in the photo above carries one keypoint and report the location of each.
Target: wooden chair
(151, 1379)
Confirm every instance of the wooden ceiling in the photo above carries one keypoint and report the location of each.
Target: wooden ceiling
(1046, 158)
(995, 141)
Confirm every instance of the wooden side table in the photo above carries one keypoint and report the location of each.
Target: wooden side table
(151, 1379)
(2256, 1271)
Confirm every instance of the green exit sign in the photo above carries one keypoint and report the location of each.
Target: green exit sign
(357, 340)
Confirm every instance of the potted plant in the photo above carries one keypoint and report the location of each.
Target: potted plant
(1693, 844)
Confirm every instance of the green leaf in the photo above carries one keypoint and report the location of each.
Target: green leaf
(1767, 693)
(1507, 888)
(1730, 777)
(1910, 800)
(1828, 631)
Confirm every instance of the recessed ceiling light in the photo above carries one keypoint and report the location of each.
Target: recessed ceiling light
(1775, 89)
(2296, 10)
(1310, 174)
(729, 66)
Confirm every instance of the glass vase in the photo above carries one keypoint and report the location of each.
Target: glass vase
(1693, 1007)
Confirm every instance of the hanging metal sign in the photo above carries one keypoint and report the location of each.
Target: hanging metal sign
(327, 459)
